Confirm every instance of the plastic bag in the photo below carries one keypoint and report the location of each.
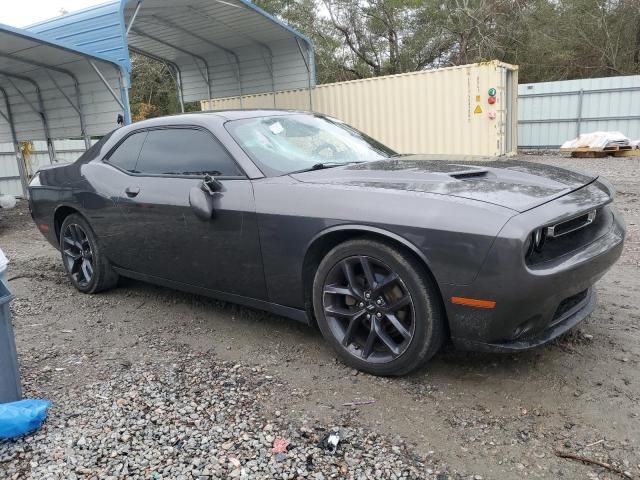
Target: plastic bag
(597, 140)
(7, 201)
(22, 417)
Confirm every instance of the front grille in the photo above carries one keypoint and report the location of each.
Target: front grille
(572, 225)
(569, 304)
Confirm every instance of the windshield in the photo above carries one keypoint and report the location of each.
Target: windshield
(282, 144)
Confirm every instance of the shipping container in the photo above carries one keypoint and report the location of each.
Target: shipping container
(445, 111)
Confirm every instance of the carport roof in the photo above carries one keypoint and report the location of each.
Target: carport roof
(50, 90)
(218, 48)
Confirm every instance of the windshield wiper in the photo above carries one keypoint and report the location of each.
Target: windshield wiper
(322, 166)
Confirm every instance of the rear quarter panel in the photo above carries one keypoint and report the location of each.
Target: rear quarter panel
(63, 186)
(53, 191)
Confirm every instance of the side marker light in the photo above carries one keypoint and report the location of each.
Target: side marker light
(473, 302)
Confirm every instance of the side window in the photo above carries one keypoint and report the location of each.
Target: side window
(126, 155)
(184, 151)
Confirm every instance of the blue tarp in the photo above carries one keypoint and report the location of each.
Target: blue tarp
(22, 417)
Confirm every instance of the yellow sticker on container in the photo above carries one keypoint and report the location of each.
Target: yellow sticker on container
(478, 109)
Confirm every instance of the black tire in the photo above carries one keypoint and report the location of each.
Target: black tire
(405, 353)
(78, 232)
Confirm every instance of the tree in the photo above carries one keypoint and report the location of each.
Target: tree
(549, 39)
(306, 17)
(384, 36)
(359, 39)
(153, 90)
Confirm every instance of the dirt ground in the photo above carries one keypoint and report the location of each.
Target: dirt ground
(490, 415)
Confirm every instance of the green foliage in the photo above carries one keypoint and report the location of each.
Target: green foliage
(549, 39)
(153, 90)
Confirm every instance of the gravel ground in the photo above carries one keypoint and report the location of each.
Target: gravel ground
(151, 383)
(196, 418)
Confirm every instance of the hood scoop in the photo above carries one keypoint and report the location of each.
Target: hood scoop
(469, 174)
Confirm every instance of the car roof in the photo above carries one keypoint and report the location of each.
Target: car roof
(221, 114)
(240, 114)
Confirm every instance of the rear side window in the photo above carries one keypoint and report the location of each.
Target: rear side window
(184, 151)
(126, 155)
(95, 149)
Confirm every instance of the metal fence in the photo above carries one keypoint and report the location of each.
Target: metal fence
(66, 151)
(550, 113)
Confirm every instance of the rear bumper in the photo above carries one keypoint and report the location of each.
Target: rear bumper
(534, 304)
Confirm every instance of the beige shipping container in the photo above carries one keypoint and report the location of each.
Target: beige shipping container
(445, 111)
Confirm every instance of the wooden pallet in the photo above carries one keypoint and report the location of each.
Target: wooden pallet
(610, 150)
(627, 153)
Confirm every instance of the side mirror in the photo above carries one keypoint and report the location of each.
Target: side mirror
(201, 197)
(201, 203)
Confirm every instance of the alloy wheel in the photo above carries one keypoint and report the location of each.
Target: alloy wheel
(78, 255)
(369, 309)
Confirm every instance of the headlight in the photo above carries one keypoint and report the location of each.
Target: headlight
(536, 240)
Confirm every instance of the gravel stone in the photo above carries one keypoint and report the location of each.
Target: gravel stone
(181, 420)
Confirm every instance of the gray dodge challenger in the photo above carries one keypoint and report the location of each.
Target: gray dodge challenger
(304, 216)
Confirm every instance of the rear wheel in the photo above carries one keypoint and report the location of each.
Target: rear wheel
(82, 258)
(377, 307)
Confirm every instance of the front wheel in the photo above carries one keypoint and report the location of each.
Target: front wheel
(377, 307)
(83, 260)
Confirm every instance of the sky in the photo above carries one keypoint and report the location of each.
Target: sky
(20, 13)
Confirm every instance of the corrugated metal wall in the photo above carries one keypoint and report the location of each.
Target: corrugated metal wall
(66, 151)
(98, 106)
(550, 113)
(434, 111)
(9, 174)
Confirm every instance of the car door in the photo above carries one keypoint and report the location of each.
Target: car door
(220, 253)
(110, 179)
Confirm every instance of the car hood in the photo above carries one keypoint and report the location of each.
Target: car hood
(517, 185)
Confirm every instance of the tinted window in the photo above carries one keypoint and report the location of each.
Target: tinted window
(126, 155)
(95, 149)
(184, 152)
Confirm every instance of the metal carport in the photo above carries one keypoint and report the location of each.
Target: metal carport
(220, 48)
(216, 48)
(52, 91)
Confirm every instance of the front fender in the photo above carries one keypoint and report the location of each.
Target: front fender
(360, 228)
(451, 235)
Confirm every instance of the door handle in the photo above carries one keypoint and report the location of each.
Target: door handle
(132, 191)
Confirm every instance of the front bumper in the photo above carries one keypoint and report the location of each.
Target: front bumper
(534, 304)
(556, 328)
